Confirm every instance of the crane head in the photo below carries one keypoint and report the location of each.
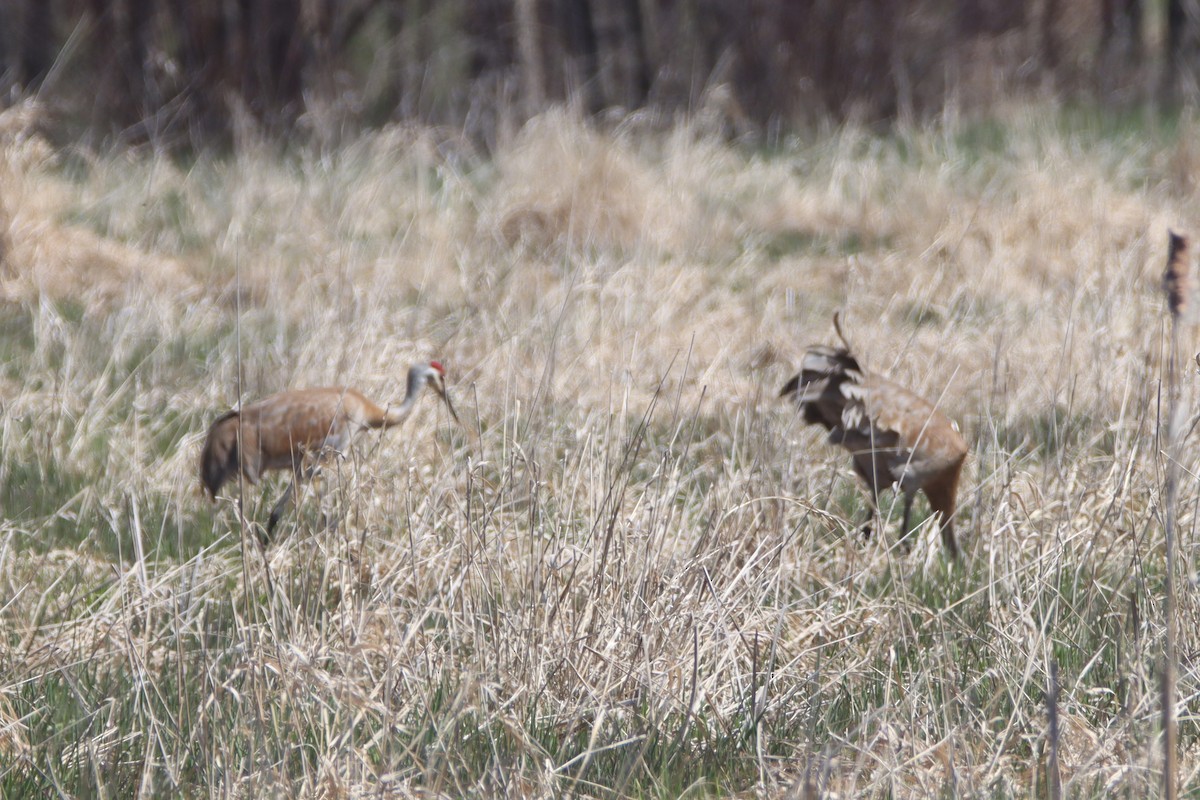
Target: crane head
(435, 374)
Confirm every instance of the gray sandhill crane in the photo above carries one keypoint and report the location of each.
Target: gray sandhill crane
(894, 436)
(291, 429)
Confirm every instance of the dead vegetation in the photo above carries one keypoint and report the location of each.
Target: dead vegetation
(632, 572)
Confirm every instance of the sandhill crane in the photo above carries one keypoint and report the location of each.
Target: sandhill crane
(295, 429)
(894, 436)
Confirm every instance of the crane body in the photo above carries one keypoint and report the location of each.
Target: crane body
(295, 429)
(895, 437)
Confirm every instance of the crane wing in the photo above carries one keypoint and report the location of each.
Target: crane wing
(818, 389)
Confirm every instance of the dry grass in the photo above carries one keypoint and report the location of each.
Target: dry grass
(632, 572)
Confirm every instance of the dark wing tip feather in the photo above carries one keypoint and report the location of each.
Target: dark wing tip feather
(790, 387)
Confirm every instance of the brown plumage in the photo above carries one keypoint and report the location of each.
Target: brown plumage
(293, 430)
(894, 436)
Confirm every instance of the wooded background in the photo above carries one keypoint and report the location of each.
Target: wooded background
(189, 72)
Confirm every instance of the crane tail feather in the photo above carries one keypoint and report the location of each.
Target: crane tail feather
(219, 460)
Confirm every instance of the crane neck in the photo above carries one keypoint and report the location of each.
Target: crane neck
(416, 381)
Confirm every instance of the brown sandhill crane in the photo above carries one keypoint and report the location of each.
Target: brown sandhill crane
(894, 436)
(289, 429)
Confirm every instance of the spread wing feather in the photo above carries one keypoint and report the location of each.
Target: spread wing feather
(829, 390)
(879, 422)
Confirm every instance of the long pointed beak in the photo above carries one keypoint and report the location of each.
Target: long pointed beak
(440, 388)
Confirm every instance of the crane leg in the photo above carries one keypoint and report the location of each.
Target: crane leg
(864, 470)
(288, 493)
(866, 530)
(948, 537)
(277, 510)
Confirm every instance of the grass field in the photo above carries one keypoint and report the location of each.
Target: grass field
(633, 571)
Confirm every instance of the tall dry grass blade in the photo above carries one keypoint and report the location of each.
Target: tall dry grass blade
(1178, 287)
(1053, 773)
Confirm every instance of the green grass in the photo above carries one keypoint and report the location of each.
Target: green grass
(633, 572)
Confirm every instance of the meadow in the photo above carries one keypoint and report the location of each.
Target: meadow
(632, 571)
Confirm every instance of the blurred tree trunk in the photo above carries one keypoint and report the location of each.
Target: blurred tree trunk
(35, 45)
(991, 17)
(126, 90)
(159, 65)
(1179, 80)
(1121, 47)
(633, 41)
(1121, 28)
(1051, 47)
(487, 27)
(322, 46)
(204, 58)
(347, 18)
(275, 55)
(581, 52)
(849, 54)
(653, 55)
(529, 48)
(138, 78)
(8, 61)
(409, 23)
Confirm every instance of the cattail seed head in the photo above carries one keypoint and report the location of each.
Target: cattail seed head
(1177, 280)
